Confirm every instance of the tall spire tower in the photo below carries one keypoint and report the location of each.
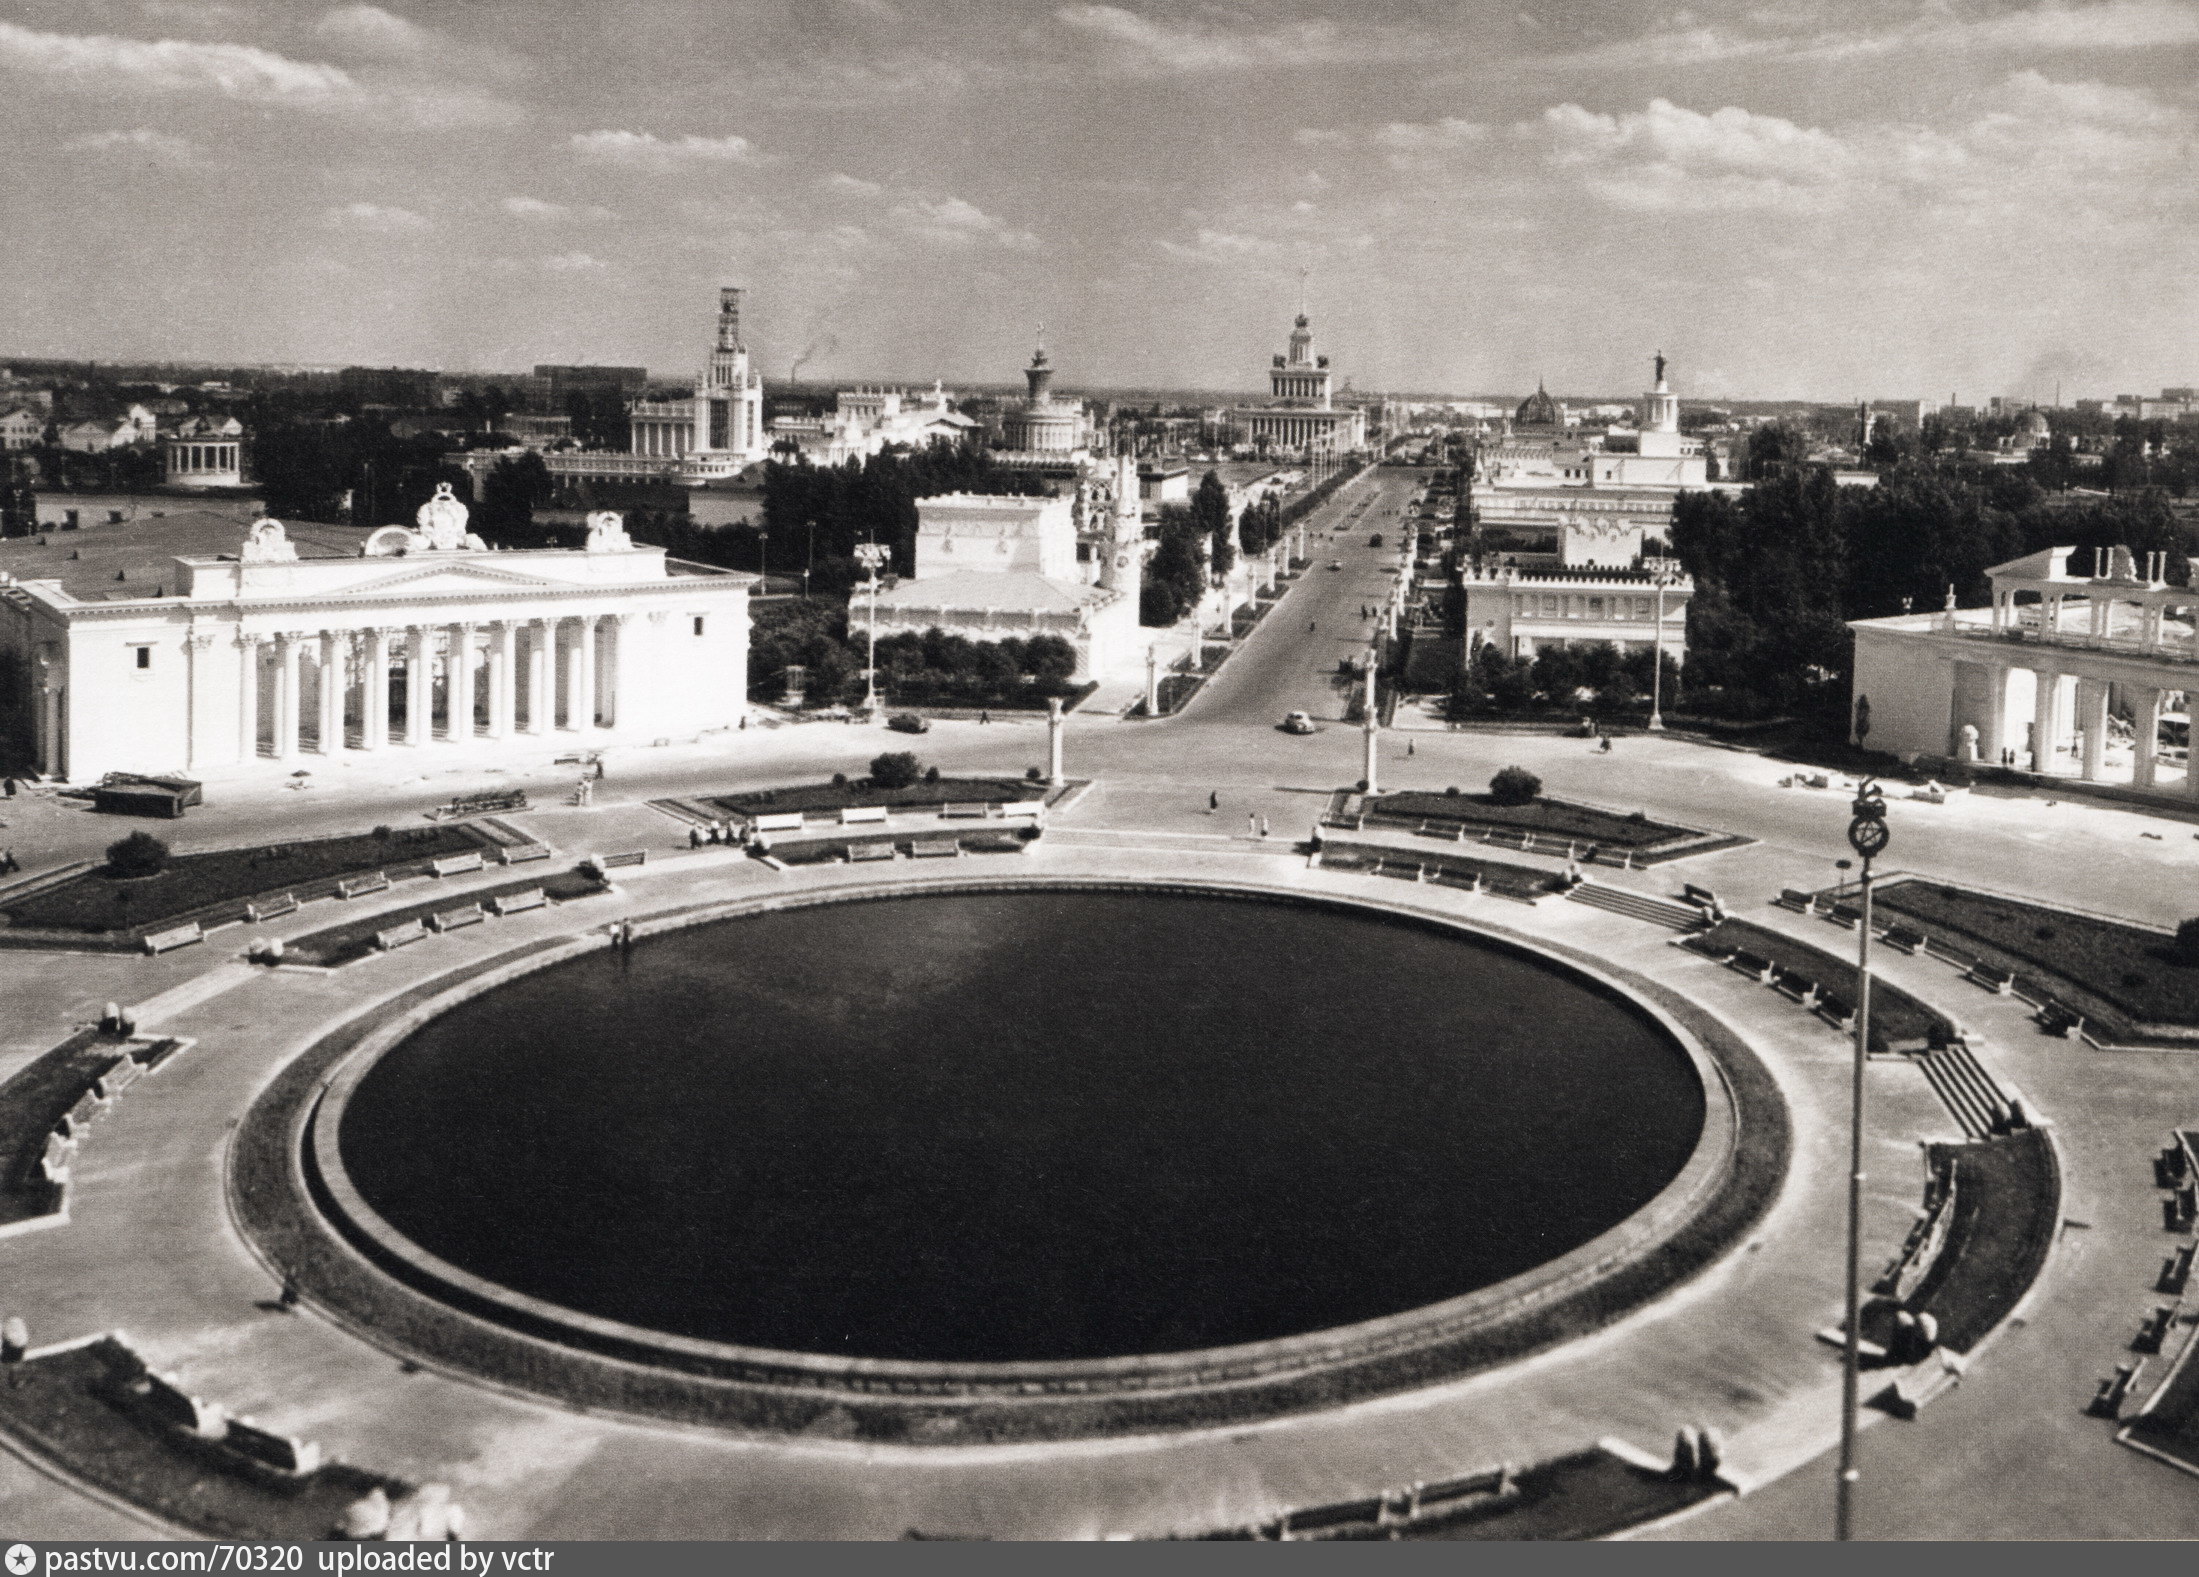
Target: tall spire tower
(1122, 568)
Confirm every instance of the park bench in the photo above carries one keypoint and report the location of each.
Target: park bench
(520, 853)
(860, 852)
(934, 849)
(786, 821)
(157, 942)
(854, 815)
(1796, 899)
(1023, 810)
(515, 903)
(1699, 895)
(1998, 981)
(396, 936)
(1902, 939)
(1845, 915)
(271, 908)
(453, 919)
(1795, 987)
(360, 886)
(456, 864)
(971, 812)
(611, 862)
(486, 803)
(1747, 963)
(2059, 1018)
(1836, 1011)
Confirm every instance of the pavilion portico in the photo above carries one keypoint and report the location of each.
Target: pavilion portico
(341, 644)
(2064, 675)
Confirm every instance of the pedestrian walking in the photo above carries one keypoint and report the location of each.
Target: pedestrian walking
(1252, 825)
(1409, 744)
(1213, 802)
(984, 716)
(694, 837)
(1263, 826)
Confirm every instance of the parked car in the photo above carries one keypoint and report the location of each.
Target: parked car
(1297, 723)
(1336, 563)
(909, 723)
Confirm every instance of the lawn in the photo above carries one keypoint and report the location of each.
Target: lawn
(1897, 1019)
(2007, 1204)
(96, 902)
(340, 944)
(31, 1103)
(1552, 817)
(59, 1408)
(2126, 965)
(841, 796)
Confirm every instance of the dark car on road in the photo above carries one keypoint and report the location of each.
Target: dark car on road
(909, 723)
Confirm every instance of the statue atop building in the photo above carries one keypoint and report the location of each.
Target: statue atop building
(265, 542)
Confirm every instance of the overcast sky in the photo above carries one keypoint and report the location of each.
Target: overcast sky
(1817, 198)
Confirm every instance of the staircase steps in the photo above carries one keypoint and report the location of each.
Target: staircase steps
(1638, 906)
(1967, 1090)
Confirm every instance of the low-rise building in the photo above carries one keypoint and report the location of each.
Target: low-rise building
(1524, 611)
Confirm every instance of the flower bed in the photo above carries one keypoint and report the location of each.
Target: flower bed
(1898, 1020)
(1553, 817)
(842, 796)
(2128, 966)
(2007, 1204)
(96, 903)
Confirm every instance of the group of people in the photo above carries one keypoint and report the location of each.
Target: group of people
(710, 832)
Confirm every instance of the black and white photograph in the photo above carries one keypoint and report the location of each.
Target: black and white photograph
(1095, 770)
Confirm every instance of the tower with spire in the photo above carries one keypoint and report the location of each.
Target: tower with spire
(1122, 561)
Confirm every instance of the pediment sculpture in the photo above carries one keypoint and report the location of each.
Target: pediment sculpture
(265, 542)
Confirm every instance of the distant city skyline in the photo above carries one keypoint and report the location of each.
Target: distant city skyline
(1802, 201)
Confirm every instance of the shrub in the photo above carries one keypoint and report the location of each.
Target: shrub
(1030, 774)
(839, 780)
(382, 833)
(1451, 792)
(1514, 786)
(931, 774)
(895, 769)
(140, 854)
(2185, 949)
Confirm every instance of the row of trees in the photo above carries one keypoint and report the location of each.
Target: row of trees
(1780, 570)
(1559, 679)
(934, 668)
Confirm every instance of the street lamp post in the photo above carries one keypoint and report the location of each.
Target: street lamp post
(1657, 659)
(872, 555)
(1868, 836)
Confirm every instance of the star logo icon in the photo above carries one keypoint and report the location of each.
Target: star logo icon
(21, 1559)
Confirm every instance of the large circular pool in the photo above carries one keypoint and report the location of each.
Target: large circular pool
(1035, 1125)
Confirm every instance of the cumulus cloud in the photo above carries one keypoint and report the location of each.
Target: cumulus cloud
(541, 212)
(375, 219)
(642, 150)
(1143, 46)
(923, 216)
(2027, 140)
(102, 63)
(370, 30)
(158, 147)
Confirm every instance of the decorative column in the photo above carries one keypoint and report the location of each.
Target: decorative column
(419, 684)
(1993, 726)
(374, 693)
(1053, 741)
(248, 698)
(573, 720)
(500, 679)
(459, 666)
(2146, 742)
(289, 647)
(541, 691)
(195, 646)
(584, 702)
(1373, 722)
(335, 648)
(2045, 714)
(2092, 717)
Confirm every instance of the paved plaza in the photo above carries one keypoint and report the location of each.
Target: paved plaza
(151, 1249)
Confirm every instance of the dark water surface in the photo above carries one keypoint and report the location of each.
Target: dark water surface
(1033, 1125)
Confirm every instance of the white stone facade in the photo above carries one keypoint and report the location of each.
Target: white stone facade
(1522, 611)
(344, 643)
(2084, 676)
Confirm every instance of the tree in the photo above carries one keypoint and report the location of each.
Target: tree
(1514, 786)
(2185, 949)
(1175, 580)
(895, 769)
(1210, 519)
(509, 498)
(140, 854)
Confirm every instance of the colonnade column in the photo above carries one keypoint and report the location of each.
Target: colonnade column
(2145, 744)
(1993, 726)
(335, 647)
(572, 677)
(2045, 714)
(289, 647)
(374, 693)
(419, 684)
(2092, 717)
(583, 701)
(248, 698)
(460, 668)
(500, 679)
(541, 691)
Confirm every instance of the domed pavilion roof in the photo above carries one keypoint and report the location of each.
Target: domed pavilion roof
(1538, 409)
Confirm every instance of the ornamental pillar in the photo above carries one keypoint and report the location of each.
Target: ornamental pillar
(289, 648)
(335, 649)
(541, 692)
(2045, 720)
(2146, 741)
(248, 697)
(575, 719)
(2092, 717)
(501, 643)
(374, 693)
(584, 709)
(195, 646)
(419, 684)
(459, 666)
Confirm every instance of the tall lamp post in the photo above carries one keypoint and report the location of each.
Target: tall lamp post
(1657, 655)
(1868, 836)
(872, 555)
